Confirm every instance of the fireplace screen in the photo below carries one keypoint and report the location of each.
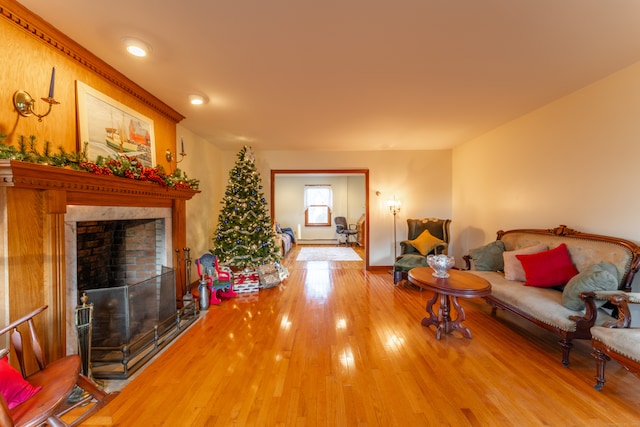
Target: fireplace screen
(131, 323)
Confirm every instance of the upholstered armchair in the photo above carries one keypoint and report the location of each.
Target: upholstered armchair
(425, 237)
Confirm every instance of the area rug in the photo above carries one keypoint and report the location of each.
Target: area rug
(327, 253)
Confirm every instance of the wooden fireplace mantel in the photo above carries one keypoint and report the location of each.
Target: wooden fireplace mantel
(33, 201)
(85, 188)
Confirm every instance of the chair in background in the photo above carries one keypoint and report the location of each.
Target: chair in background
(348, 232)
(218, 278)
(429, 236)
(224, 273)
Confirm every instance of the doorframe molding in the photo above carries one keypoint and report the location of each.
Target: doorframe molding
(364, 172)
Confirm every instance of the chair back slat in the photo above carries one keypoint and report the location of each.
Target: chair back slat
(17, 340)
(36, 345)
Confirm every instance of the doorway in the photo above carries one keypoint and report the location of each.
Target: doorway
(319, 173)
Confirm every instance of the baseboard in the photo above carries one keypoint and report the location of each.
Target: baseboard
(380, 267)
(316, 242)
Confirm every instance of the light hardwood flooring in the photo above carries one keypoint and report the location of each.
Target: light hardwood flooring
(338, 346)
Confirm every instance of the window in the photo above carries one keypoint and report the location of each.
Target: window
(318, 200)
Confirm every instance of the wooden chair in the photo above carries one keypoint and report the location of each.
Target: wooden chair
(57, 379)
(617, 340)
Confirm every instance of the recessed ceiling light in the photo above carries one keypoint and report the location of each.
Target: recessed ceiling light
(136, 47)
(196, 99)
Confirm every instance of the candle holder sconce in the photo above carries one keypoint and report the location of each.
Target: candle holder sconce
(23, 102)
(171, 157)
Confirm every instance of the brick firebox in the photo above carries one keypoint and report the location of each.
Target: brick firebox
(118, 253)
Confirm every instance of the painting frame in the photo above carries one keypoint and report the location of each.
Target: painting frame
(111, 129)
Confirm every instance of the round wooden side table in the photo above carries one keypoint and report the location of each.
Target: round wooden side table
(459, 284)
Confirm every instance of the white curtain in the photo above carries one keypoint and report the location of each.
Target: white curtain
(318, 195)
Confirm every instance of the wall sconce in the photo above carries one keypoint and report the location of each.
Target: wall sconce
(23, 102)
(170, 157)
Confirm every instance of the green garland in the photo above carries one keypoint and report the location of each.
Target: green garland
(123, 166)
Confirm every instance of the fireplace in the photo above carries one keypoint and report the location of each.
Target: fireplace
(118, 257)
(39, 209)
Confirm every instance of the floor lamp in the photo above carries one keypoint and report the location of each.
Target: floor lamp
(394, 208)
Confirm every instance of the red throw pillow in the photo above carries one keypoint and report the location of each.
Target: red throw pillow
(549, 268)
(13, 387)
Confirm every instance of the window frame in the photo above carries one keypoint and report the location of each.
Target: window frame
(307, 223)
(313, 202)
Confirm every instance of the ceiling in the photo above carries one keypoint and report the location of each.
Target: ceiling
(355, 74)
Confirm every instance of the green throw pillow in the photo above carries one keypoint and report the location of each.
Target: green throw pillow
(488, 257)
(598, 277)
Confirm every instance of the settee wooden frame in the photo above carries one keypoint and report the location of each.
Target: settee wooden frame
(585, 322)
(57, 379)
(603, 353)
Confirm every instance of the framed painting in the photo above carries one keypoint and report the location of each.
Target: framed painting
(111, 129)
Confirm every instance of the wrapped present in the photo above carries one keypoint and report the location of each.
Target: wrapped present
(246, 281)
(266, 269)
(268, 276)
(269, 280)
(272, 274)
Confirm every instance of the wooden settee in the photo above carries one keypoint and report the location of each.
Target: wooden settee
(545, 306)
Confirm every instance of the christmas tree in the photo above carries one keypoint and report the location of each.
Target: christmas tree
(245, 237)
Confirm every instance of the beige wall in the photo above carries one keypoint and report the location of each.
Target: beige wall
(202, 162)
(405, 174)
(421, 180)
(572, 162)
(348, 201)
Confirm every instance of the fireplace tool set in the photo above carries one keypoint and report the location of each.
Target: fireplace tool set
(187, 298)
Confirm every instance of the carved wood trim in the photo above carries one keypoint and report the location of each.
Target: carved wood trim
(38, 28)
(85, 188)
(564, 231)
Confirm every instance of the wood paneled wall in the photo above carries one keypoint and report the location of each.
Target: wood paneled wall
(32, 221)
(30, 48)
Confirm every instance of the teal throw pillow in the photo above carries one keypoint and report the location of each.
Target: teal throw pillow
(488, 257)
(598, 277)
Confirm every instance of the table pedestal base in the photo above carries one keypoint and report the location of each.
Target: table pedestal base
(442, 320)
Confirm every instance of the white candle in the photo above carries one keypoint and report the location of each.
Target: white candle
(53, 82)
(182, 140)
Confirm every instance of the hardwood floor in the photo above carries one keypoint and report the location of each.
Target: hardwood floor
(337, 346)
